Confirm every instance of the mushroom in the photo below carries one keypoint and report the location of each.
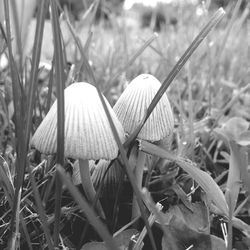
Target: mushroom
(88, 135)
(111, 178)
(131, 108)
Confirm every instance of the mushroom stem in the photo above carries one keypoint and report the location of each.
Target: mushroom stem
(88, 185)
(139, 176)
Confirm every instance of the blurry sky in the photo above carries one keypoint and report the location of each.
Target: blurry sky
(129, 3)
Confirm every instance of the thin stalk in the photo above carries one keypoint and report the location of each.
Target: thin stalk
(116, 204)
(84, 61)
(60, 81)
(131, 61)
(230, 224)
(24, 132)
(227, 33)
(129, 171)
(18, 119)
(15, 237)
(123, 154)
(216, 18)
(34, 69)
(26, 233)
(41, 211)
(139, 243)
(50, 86)
(97, 196)
(138, 177)
(190, 112)
(88, 211)
(17, 32)
(88, 185)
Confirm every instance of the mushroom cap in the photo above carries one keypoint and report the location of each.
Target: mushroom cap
(132, 106)
(88, 134)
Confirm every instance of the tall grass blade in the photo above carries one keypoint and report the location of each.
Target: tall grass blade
(6, 182)
(211, 188)
(41, 212)
(234, 175)
(50, 88)
(20, 99)
(14, 242)
(216, 18)
(132, 59)
(60, 81)
(16, 85)
(26, 233)
(83, 51)
(125, 160)
(32, 87)
(17, 34)
(227, 33)
(129, 172)
(230, 225)
(19, 124)
(88, 211)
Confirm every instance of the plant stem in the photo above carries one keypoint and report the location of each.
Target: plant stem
(88, 185)
(139, 176)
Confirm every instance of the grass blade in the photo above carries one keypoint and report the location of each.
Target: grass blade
(23, 136)
(90, 214)
(234, 175)
(26, 233)
(19, 124)
(50, 87)
(60, 81)
(131, 61)
(41, 211)
(227, 33)
(43, 6)
(15, 23)
(14, 73)
(125, 160)
(129, 171)
(6, 182)
(181, 62)
(84, 60)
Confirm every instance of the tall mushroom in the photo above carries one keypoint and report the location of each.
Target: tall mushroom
(88, 135)
(130, 110)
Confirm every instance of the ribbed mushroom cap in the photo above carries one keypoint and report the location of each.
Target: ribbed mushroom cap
(88, 134)
(133, 103)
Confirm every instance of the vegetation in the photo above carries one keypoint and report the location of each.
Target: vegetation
(195, 183)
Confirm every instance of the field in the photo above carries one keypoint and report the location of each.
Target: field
(155, 164)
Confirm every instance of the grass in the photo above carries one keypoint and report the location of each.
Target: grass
(203, 64)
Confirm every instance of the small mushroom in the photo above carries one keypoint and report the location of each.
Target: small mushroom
(88, 135)
(131, 108)
(111, 177)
